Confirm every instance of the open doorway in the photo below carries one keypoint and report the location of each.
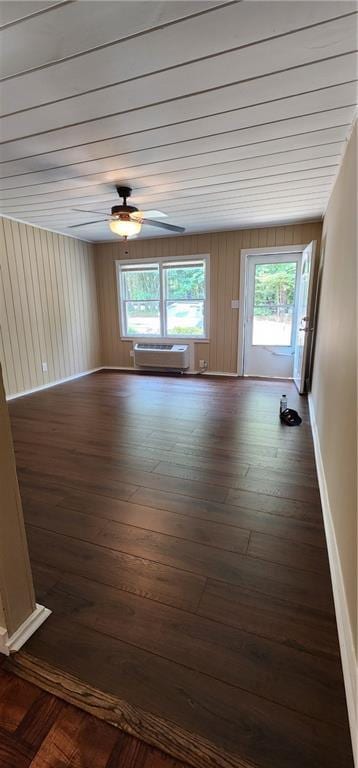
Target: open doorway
(275, 322)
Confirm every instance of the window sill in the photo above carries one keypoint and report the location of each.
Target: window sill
(165, 339)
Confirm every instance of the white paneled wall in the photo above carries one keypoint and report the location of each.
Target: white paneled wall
(48, 307)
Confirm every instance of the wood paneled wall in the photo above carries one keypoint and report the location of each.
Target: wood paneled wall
(17, 598)
(59, 303)
(224, 249)
(48, 306)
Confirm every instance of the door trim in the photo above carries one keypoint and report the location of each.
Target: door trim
(244, 254)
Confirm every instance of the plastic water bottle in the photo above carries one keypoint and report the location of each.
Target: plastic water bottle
(283, 403)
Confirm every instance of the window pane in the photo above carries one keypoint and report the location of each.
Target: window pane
(272, 326)
(275, 286)
(142, 318)
(185, 282)
(140, 284)
(185, 318)
(275, 283)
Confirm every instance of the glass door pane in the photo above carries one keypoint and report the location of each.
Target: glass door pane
(274, 298)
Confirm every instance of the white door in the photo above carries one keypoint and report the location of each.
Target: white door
(270, 314)
(305, 319)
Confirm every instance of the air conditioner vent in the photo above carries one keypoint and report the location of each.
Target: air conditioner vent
(154, 346)
(162, 356)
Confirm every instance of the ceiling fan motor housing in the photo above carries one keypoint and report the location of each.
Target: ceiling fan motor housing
(123, 211)
(116, 210)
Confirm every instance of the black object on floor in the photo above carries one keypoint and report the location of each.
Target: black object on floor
(290, 417)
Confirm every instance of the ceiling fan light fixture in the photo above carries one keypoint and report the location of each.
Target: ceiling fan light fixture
(125, 227)
(126, 221)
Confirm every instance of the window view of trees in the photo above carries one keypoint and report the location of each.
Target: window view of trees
(185, 282)
(142, 291)
(142, 285)
(275, 286)
(184, 289)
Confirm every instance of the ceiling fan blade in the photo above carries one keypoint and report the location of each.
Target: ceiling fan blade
(85, 223)
(163, 225)
(100, 213)
(150, 214)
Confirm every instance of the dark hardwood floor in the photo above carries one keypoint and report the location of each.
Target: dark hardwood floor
(175, 531)
(38, 730)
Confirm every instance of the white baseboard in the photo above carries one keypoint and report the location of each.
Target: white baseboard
(104, 368)
(23, 633)
(117, 368)
(188, 372)
(346, 643)
(219, 373)
(135, 369)
(52, 384)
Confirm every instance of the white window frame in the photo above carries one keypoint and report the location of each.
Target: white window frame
(162, 301)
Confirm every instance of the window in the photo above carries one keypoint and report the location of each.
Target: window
(165, 298)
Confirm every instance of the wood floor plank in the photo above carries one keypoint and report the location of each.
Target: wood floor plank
(83, 433)
(155, 760)
(235, 451)
(250, 499)
(176, 530)
(280, 488)
(38, 721)
(250, 519)
(44, 579)
(35, 495)
(202, 561)
(281, 620)
(116, 481)
(287, 552)
(287, 471)
(30, 467)
(33, 744)
(16, 699)
(13, 753)
(286, 462)
(129, 752)
(92, 450)
(227, 462)
(197, 702)
(257, 484)
(252, 435)
(182, 526)
(133, 574)
(257, 466)
(197, 441)
(302, 682)
(73, 740)
(203, 475)
(198, 751)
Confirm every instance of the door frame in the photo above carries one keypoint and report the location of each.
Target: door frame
(245, 253)
(311, 309)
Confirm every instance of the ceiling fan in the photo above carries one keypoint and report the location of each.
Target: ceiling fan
(126, 220)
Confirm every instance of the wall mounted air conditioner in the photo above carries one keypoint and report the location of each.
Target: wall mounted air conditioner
(163, 356)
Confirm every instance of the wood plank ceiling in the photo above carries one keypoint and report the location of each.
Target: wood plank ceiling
(220, 114)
